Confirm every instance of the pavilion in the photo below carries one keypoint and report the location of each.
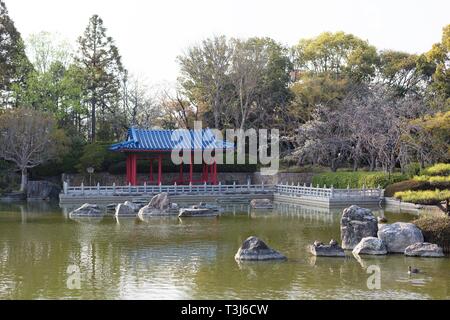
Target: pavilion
(154, 145)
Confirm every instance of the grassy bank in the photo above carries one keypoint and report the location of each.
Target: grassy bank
(357, 179)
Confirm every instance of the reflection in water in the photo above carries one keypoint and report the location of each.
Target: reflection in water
(170, 258)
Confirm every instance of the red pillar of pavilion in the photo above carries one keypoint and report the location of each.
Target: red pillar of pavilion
(131, 168)
(159, 169)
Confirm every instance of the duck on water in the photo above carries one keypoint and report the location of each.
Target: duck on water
(412, 270)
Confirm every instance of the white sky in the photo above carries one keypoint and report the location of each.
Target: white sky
(150, 34)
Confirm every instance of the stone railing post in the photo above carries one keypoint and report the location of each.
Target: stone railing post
(190, 186)
(160, 187)
(234, 186)
(205, 187)
(82, 188)
(220, 186)
(129, 187)
(98, 187)
(65, 187)
(114, 188)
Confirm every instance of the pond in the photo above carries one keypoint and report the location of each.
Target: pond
(193, 258)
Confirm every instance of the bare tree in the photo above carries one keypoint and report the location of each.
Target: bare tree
(140, 105)
(29, 138)
(178, 110)
(204, 71)
(247, 68)
(367, 127)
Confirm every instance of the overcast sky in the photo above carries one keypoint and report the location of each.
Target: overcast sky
(150, 34)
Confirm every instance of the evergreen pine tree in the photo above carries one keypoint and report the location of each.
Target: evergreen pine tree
(103, 71)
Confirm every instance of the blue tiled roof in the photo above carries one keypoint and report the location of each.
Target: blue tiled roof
(166, 140)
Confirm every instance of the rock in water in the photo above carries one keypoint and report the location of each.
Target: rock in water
(197, 212)
(87, 210)
(133, 205)
(357, 223)
(124, 210)
(398, 236)
(254, 249)
(424, 249)
(326, 250)
(160, 201)
(261, 204)
(159, 205)
(370, 245)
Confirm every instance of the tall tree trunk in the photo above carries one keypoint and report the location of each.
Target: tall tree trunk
(216, 110)
(24, 181)
(93, 121)
(355, 164)
(372, 162)
(333, 165)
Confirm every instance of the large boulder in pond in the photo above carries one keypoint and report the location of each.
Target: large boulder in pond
(254, 249)
(148, 211)
(160, 201)
(326, 250)
(370, 245)
(42, 190)
(86, 210)
(124, 210)
(400, 235)
(357, 223)
(424, 249)
(133, 205)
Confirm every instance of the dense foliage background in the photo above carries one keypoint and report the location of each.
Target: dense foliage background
(337, 100)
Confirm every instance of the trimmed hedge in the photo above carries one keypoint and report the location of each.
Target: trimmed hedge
(341, 180)
(440, 169)
(430, 197)
(439, 182)
(411, 184)
(435, 230)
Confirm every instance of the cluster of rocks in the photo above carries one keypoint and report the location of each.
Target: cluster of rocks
(361, 233)
(159, 205)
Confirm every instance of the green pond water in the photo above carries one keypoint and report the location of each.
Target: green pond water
(193, 258)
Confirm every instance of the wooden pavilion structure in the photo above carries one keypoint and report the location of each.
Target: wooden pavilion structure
(154, 145)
